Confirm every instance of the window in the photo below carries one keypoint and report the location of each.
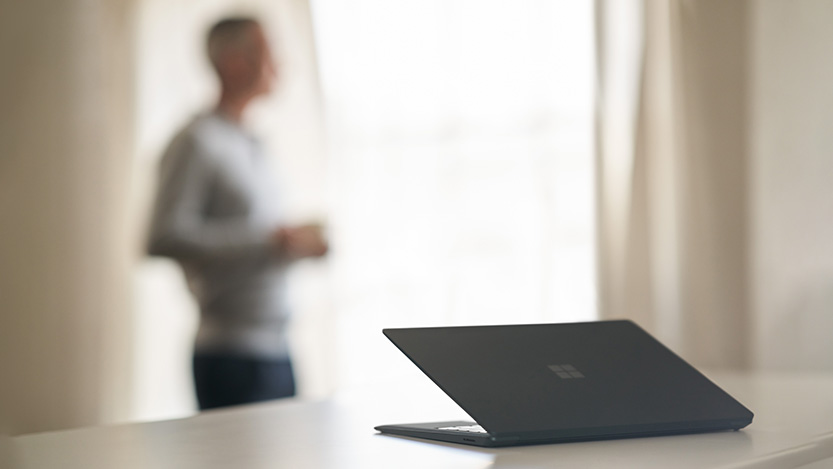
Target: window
(461, 165)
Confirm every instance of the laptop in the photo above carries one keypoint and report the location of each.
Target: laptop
(550, 383)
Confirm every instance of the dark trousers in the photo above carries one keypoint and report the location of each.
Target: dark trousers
(222, 380)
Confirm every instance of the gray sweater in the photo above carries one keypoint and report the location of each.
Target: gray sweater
(215, 211)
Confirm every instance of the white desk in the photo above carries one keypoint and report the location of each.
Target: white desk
(791, 412)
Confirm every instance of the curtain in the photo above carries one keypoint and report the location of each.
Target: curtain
(66, 109)
(672, 173)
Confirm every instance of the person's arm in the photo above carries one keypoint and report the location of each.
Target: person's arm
(179, 228)
(303, 241)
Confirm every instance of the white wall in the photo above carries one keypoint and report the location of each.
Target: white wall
(792, 183)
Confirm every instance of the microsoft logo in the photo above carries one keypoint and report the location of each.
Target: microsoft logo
(566, 371)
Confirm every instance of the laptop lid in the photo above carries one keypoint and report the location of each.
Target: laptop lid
(602, 378)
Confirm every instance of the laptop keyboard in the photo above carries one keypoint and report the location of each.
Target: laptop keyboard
(465, 428)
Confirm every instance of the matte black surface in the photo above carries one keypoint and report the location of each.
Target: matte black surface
(619, 381)
(430, 431)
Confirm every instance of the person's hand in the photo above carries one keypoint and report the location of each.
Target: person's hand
(299, 242)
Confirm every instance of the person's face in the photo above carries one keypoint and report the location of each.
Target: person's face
(252, 71)
(263, 67)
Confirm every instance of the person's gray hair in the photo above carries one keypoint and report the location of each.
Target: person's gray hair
(229, 34)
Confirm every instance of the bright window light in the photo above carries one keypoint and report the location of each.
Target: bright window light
(461, 165)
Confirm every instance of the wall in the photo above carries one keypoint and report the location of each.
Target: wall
(792, 193)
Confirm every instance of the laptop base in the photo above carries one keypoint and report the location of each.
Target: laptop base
(430, 431)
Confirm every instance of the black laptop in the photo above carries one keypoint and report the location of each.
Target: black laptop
(548, 383)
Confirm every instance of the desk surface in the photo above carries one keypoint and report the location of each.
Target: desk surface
(792, 425)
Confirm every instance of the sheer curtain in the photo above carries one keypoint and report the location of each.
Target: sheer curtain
(673, 169)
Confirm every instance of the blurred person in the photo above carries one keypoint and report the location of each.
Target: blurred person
(217, 215)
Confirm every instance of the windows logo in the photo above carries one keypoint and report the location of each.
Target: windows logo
(566, 371)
